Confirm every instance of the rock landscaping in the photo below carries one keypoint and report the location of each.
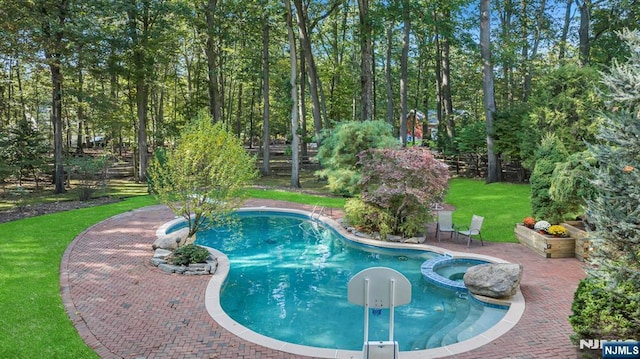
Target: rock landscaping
(494, 280)
(160, 260)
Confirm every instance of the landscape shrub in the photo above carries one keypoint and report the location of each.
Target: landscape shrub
(603, 312)
(404, 183)
(189, 254)
(366, 218)
(91, 173)
(571, 183)
(550, 152)
(338, 153)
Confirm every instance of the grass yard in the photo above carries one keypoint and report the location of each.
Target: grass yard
(34, 323)
(501, 204)
(298, 197)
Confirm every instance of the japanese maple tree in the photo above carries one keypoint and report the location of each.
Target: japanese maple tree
(404, 183)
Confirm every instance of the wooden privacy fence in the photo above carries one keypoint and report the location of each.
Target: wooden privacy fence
(475, 166)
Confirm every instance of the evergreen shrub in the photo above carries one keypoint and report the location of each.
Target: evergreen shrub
(189, 254)
(550, 152)
(338, 153)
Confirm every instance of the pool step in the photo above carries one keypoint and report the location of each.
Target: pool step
(452, 337)
(462, 311)
(421, 343)
(484, 322)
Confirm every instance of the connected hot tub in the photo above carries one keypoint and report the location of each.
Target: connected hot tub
(448, 272)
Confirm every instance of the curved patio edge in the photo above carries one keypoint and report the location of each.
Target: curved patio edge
(89, 275)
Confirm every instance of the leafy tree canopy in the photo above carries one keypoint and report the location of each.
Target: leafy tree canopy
(199, 179)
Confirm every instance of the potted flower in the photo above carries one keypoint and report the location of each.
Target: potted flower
(558, 231)
(542, 226)
(549, 241)
(529, 222)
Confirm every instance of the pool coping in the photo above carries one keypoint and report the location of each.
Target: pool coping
(516, 303)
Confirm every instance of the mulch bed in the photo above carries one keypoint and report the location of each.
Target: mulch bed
(46, 208)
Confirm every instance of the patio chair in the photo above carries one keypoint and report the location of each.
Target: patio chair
(473, 229)
(445, 224)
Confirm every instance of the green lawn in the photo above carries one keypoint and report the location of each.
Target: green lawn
(501, 204)
(33, 321)
(298, 197)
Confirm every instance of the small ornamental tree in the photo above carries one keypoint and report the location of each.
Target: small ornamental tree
(91, 173)
(27, 153)
(403, 183)
(199, 179)
(550, 152)
(607, 303)
(338, 153)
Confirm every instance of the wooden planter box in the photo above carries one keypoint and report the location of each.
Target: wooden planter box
(583, 245)
(545, 244)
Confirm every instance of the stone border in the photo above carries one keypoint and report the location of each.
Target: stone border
(212, 300)
(209, 266)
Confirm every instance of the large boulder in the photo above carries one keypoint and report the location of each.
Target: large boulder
(170, 241)
(495, 280)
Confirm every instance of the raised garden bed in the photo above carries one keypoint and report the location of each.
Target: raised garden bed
(583, 245)
(545, 245)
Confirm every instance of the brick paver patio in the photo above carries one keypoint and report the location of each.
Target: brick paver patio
(123, 307)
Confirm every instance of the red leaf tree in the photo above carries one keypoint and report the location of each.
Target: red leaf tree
(404, 183)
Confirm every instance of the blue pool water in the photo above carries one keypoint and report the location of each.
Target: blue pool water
(288, 280)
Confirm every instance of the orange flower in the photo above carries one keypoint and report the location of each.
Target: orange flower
(627, 169)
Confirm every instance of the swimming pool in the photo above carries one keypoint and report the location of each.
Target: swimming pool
(296, 270)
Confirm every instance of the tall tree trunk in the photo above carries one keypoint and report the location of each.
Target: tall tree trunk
(80, 98)
(565, 31)
(337, 53)
(493, 170)
(52, 28)
(265, 92)
(404, 59)
(534, 51)
(303, 110)
(583, 32)
(56, 119)
(507, 66)
(366, 56)
(23, 104)
(159, 133)
(239, 111)
(142, 101)
(295, 161)
(141, 65)
(438, 72)
(312, 72)
(387, 73)
(212, 50)
(447, 103)
(251, 116)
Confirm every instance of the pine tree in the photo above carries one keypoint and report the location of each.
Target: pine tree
(607, 303)
(27, 153)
